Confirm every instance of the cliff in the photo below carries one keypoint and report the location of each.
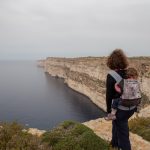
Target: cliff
(87, 75)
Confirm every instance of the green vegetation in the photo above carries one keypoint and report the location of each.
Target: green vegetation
(12, 137)
(67, 136)
(140, 126)
(74, 136)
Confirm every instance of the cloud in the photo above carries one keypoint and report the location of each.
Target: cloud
(60, 27)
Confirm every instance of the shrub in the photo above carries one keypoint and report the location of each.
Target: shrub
(13, 138)
(73, 136)
(67, 136)
(140, 126)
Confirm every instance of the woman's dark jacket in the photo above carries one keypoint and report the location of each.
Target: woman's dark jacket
(110, 89)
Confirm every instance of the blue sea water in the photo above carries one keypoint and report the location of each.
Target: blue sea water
(35, 99)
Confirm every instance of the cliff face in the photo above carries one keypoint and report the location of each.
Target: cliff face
(87, 75)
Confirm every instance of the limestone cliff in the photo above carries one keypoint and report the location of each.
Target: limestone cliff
(87, 75)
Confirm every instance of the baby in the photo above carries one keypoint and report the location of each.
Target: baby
(129, 89)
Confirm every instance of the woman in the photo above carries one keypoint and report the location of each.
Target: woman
(117, 61)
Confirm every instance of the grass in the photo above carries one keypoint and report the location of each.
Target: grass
(74, 136)
(13, 138)
(140, 126)
(67, 136)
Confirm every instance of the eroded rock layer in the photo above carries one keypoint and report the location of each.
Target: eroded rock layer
(87, 75)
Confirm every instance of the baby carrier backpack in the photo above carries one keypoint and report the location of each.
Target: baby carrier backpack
(131, 94)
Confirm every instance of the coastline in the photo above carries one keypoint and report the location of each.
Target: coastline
(87, 76)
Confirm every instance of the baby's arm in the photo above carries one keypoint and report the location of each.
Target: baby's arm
(117, 88)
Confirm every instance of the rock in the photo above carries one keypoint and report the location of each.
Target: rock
(87, 75)
(35, 131)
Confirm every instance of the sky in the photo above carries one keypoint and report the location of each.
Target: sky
(36, 29)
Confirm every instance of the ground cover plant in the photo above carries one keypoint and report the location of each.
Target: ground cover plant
(74, 136)
(66, 136)
(14, 137)
(140, 126)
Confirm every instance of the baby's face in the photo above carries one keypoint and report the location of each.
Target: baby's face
(134, 77)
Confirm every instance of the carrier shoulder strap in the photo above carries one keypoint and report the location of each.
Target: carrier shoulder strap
(115, 75)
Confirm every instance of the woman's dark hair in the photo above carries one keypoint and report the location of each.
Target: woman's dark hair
(117, 60)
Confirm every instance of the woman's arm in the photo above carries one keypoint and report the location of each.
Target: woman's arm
(110, 91)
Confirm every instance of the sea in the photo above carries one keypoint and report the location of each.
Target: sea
(35, 99)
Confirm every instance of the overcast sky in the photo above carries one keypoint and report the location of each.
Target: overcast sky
(33, 29)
